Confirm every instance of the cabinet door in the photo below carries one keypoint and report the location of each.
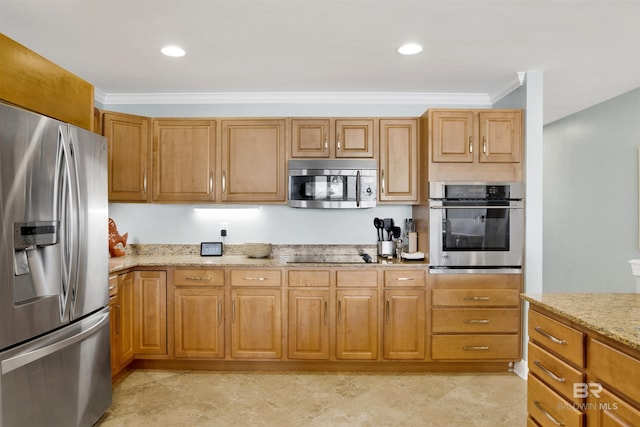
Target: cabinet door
(129, 157)
(309, 324)
(113, 334)
(183, 160)
(125, 297)
(253, 161)
(310, 137)
(357, 324)
(609, 410)
(500, 136)
(150, 311)
(354, 138)
(256, 323)
(404, 324)
(451, 134)
(199, 326)
(399, 160)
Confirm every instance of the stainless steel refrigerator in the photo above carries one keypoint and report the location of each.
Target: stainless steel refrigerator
(54, 319)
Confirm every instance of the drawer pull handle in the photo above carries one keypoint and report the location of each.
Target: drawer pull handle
(547, 414)
(404, 279)
(548, 372)
(539, 330)
(475, 348)
(261, 279)
(113, 287)
(475, 321)
(477, 298)
(198, 278)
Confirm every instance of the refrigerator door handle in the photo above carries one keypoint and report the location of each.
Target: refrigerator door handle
(21, 360)
(74, 220)
(66, 205)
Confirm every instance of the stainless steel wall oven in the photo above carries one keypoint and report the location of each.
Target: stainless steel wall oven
(476, 226)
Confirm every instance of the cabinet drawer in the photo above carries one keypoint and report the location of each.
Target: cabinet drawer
(405, 278)
(475, 347)
(351, 278)
(616, 369)
(548, 408)
(317, 278)
(476, 297)
(532, 423)
(559, 375)
(198, 277)
(473, 320)
(566, 342)
(113, 286)
(256, 278)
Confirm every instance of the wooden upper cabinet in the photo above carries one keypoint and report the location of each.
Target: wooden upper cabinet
(310, 137)
(451, 136)
(184, 160)
(354, 138)
(500, 136)
(475, 145)
(129, 141)
(398, 169)
(253, 161)
(332, 138)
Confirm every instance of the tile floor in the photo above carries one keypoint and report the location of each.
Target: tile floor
(206, 398)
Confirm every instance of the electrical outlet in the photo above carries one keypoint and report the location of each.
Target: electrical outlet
(223, 228)
(223, 232)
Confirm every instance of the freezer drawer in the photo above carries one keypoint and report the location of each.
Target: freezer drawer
(60, 379)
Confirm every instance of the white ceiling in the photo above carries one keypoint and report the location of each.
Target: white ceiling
(589, 51)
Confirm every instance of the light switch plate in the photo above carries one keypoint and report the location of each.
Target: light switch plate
(211, 249)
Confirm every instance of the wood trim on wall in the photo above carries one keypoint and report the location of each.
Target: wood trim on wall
(33, 82)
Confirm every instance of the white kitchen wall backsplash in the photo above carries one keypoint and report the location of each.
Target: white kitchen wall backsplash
(279, 224)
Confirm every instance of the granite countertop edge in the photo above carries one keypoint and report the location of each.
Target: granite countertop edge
(118, 264)
(613, 315)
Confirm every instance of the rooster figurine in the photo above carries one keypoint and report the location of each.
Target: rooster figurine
(117, 242)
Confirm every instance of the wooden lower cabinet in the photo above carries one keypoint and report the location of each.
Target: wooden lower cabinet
(357, 324)
(256, 323)
(476, 317)
(308, 323)
(404, 324)
(578, 379)
(199, 323)
(150, 313)
(609, 410)
(121, 312)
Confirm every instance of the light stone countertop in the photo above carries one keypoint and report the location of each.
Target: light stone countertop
(131, 261)
(614, 315)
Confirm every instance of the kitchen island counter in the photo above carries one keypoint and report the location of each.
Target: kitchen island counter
(613, 315)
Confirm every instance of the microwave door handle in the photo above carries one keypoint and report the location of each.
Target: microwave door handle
(358, 189)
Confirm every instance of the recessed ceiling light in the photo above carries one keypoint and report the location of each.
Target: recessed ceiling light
(173, 51)
(410, 49)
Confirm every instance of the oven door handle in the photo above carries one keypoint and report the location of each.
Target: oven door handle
(477, 207)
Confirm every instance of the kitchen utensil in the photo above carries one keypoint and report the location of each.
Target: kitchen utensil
(396, 231)
(387, 225)
(378, 224)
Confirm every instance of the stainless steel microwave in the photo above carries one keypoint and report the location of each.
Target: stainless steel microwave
(337, 183)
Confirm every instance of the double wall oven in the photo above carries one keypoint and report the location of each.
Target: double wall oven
(476, 227)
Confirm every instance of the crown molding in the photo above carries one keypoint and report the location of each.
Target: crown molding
(514, 84)
(399, 98)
